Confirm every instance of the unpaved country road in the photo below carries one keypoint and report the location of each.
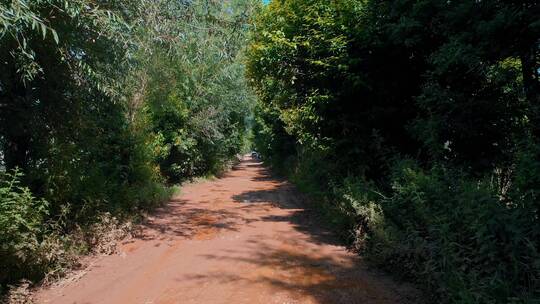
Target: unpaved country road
(243, 238)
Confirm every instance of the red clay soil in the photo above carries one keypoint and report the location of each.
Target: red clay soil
(243, 238)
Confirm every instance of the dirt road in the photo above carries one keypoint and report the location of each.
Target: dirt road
(243, 238)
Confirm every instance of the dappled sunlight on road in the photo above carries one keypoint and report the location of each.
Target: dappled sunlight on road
(243, 238)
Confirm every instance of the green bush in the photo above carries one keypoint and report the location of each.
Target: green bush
(21, 225)
(348, 88)
(456, 236)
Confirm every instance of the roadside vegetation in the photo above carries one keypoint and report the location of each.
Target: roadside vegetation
(416, 126)
(104, 107)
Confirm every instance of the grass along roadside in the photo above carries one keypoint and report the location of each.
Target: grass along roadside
(38, 251)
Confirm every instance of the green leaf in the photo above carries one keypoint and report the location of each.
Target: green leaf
(55, 36)
(43, 29)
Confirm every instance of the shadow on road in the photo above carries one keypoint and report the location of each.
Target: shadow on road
(298, 255)
(179, 220)
(322, 279)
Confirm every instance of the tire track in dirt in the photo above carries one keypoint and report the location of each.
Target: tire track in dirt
(243, 238)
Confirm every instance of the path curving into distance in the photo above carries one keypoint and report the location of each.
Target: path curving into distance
(243, 238)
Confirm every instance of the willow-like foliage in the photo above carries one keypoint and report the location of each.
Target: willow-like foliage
(105, 104)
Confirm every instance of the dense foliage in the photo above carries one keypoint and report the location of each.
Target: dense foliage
(417, 123)
(104, 104)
